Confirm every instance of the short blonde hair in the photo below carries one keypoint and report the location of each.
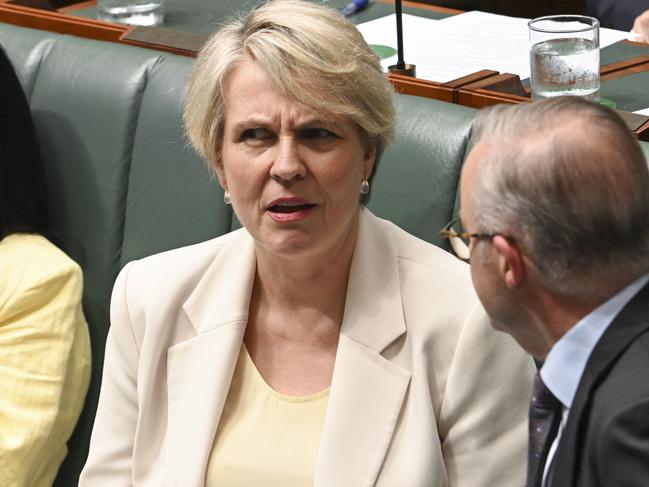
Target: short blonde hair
(312, 55)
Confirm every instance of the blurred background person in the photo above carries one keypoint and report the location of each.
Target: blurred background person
(44, 344)
(556, 209)
(617, 14)
(641, 27)
(319, 345)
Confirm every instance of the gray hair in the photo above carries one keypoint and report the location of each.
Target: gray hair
(567, 180)
(312, 54)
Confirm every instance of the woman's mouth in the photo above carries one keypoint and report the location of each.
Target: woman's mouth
(289, 209)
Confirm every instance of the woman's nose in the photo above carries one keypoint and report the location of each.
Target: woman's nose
(287, 164)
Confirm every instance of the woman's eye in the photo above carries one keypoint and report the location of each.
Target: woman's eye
(256, 134)
(316, 133)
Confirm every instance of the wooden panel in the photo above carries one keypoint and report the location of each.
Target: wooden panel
(638, 124)
(620, 69)
(471, 78)
(502, 83)
(417, 87)
(61, 23)
(483, 98)
(182, 43)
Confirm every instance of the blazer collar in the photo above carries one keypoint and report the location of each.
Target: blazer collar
(627, 325)
(222, 295)
(367, 390)
(373, 308)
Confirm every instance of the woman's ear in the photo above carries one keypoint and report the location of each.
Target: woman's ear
(369, 160)
(220, 174)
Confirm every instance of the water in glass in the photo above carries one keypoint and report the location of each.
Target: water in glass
(568, 66)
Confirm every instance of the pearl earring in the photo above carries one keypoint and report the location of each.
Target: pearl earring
(365, 187)
(226, 197)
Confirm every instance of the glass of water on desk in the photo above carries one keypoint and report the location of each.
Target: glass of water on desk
(133, 12)
(564, 56)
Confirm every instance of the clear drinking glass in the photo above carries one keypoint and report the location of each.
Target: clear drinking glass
(134, 12)
(564, 56)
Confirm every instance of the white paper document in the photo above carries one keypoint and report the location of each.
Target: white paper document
(456, 46)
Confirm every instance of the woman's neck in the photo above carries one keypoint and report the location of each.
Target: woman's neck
(296, 311)
(290, 297)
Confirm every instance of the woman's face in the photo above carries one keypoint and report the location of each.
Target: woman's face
(293, 174)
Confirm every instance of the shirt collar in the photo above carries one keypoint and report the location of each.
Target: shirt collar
(567, 359)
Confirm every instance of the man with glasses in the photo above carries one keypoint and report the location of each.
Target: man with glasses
(555, 221)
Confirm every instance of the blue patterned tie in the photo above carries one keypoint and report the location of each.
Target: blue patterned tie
(545, 416)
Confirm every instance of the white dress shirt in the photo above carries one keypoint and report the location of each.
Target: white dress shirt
(567, 359)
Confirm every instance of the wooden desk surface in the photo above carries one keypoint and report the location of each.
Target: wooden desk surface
(623, 61)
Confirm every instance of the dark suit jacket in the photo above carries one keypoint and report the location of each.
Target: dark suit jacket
(617, 14)
(606, 439)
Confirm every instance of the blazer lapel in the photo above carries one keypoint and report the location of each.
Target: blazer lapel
(199, 370)
(367, 390)
(629, 323)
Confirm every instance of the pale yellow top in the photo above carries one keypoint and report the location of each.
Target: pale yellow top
(44, 358)
(264, 437)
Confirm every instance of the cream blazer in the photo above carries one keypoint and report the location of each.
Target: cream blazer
(423, 393)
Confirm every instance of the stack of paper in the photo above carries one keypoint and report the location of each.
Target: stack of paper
(456, 46)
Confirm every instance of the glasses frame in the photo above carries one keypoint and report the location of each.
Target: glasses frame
(461, 241)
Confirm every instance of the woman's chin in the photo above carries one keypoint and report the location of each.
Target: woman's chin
(291, 245)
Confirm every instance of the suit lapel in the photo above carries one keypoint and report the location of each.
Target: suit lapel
(627, 325)
(200, 369)
(367, 390)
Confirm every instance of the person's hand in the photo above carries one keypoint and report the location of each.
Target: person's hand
(641, 27)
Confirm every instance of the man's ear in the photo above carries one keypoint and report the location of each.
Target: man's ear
(511, 265)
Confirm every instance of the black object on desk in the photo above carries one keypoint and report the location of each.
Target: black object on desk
(401, 67)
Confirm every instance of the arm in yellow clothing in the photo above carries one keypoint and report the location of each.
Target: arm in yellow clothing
(44, 359)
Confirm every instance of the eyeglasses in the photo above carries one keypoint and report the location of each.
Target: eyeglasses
(461, 241)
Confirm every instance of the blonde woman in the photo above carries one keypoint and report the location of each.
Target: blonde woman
(318, 345)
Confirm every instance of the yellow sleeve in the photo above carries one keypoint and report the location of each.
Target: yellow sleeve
(44, 374)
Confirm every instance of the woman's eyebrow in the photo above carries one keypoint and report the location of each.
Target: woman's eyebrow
(262, 121)
(253, 120)
(315, 121)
